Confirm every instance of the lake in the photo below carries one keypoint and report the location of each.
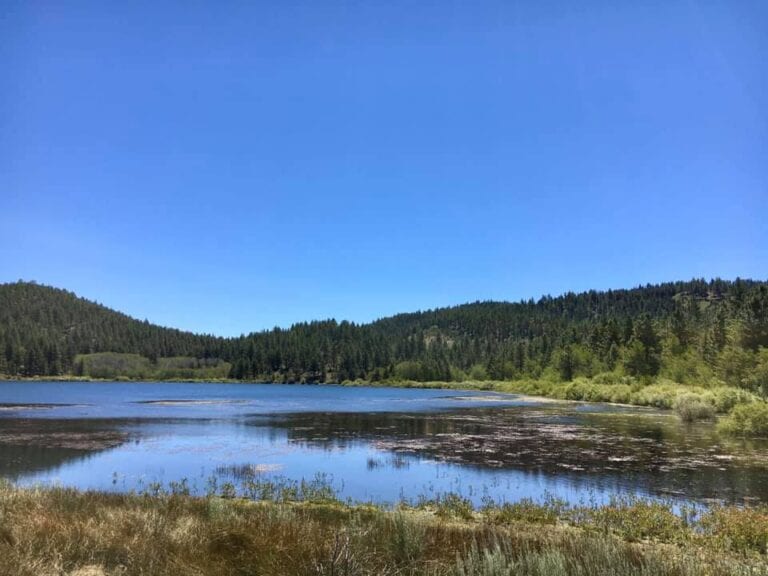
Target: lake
(371, 444)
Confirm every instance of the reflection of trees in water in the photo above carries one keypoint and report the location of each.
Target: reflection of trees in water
(630, 450)
(37, 445)
(396, 461)
(649, 451)
(351, 427)
(18, 461)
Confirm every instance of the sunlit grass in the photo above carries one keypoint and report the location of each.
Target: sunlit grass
(301, 531)
(691, 403)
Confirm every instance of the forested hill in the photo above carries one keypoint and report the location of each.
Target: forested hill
(42, 329)
(684, 330)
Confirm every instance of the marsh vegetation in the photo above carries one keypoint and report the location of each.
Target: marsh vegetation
(169, 533)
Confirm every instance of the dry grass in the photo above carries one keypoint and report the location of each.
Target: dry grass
(65, 532)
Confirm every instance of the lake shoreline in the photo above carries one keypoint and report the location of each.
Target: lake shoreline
(661, 393)
(498, 387)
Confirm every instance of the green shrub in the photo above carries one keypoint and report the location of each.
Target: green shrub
(124, 367)
(686, 368)
(746, 420)
(738, 529)
(724, 398)
(614, 379)
(657, 395)
(406, 539)
(692, 407)
(112, 365)
(453, 506)
(633, 519)
(526, 510)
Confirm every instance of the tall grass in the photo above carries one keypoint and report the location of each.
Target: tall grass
(65, 532)
(691, 407)
(578, 556)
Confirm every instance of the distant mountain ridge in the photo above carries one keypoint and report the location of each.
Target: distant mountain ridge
(46, 331)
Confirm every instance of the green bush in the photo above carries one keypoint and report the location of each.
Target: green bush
(746, 420)
(724, 398)
(123, 367)
(657, 395)
(451, 505)
(113, 365)
(613, 379)
(692, 407)
(686, 368)
(633, 519)
(739, 529)
(406, 539)
(526, 510)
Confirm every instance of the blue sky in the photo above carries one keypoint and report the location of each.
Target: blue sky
(228, 167)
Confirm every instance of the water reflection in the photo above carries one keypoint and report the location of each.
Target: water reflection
(18, 461)
(371, 447)
(27, 446)
(644, 450)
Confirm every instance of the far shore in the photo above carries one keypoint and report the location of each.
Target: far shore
(658, 393)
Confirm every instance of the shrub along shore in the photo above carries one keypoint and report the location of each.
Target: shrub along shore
(743, 413)
(310, 532)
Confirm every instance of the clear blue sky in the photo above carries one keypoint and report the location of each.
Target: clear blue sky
(228, 167)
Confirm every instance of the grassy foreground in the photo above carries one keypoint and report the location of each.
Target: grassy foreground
(65, 532)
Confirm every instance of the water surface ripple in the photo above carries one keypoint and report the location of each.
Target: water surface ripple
(378, 444)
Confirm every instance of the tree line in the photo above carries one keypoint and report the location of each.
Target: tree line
(690, 332)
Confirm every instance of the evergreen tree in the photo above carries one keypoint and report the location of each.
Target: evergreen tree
(44, 331)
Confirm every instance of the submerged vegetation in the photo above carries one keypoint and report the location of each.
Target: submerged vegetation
(62, 531)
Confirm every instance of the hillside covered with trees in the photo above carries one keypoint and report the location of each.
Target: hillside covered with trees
(695, 332)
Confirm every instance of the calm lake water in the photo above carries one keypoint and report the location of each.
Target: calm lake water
(379, 444)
